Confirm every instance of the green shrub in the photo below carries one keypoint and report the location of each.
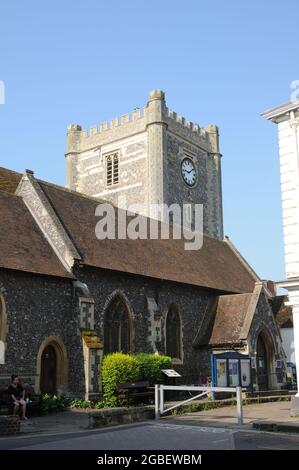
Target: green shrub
(116, 368)
(80, 403)
(50, 403)
(151, 366)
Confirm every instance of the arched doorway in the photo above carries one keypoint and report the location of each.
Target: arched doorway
(51, 367)
(173, 334)
(48, 377)
(117, 327)
(264, 359)
(262, 364)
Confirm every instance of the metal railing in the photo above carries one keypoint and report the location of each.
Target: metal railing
(159, 397)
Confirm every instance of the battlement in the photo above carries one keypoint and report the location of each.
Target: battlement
(177, 118)
(137, 120)
(132, 117)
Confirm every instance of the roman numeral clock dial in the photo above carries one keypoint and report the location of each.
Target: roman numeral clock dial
(188, 171)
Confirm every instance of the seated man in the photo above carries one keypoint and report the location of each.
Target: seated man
(16, 394)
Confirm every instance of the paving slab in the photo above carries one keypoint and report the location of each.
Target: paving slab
(273, 416)
(64, 421)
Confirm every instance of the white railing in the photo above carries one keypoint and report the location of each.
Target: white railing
(159, 397)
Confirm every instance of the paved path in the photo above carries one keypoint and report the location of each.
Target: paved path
(65, 421)
(155, 436)
(272, 412)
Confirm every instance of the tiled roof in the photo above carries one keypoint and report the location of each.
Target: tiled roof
(9, 180)
(214, 266)
(229, 319)
(22, 245)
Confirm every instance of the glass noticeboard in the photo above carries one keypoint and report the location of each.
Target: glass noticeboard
(245, 372)
(233, 372)
(221, 373)
(231, 369)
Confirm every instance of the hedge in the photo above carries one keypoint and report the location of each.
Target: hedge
(151, 366)
(116, 368)
(119, 367)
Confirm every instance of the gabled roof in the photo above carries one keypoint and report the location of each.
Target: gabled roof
(229, 319)
(9, 180)
(23, 247)
(215, 266)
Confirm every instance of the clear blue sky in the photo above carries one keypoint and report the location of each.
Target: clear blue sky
(219, 62)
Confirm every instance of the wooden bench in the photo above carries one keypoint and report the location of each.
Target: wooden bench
(134, 391)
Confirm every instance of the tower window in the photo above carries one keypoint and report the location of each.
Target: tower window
(112, 172)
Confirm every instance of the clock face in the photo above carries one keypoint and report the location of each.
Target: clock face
(188, 171)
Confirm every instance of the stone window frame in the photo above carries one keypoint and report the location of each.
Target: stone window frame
(112, 177)
(3, 322)
(121, 298)
(180, 359)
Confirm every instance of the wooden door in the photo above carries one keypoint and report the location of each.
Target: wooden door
(262, 365)
(48, 370)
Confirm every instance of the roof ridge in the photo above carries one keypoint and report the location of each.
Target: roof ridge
(234, 295)
(105, 201)
(75, 193)
(11, 171)
(242, 259)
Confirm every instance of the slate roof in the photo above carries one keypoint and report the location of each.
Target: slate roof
(9, 180)
(229, 319)
(22, 245)
(216, 265)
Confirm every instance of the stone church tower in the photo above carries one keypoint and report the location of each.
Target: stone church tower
(150, 156)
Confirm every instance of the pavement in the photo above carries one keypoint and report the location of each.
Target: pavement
(62, 422)
(204, 430)
(269, 416)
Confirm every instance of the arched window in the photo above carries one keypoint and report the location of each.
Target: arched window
(3, 320)
(112, 169)
(173, 334)
(117, 327)
(3, 330)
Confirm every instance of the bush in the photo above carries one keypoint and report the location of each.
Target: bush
(116, 368)
(119, 367)
(151, 366)
(50, 403)
(80, 403)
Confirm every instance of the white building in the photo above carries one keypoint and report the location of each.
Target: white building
(287, 118)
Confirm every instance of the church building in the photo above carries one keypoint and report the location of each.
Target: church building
(68, 298)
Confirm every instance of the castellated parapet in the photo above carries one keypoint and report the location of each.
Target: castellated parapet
(82, 139)
(151, 143)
